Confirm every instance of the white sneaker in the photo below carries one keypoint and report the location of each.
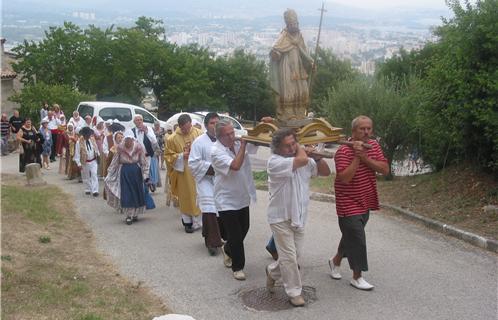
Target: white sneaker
(361, 284)
(334, 270)
(227, 261)
(196, 226)
(239, 275)
(270, 282)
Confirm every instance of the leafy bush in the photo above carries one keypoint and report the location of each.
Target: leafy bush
(32, 96)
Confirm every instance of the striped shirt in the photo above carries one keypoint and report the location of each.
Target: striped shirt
(4, 128)
(360, 194)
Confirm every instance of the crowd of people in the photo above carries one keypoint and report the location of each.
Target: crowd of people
(209, 179)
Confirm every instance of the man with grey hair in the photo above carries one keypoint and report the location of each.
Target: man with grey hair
(356, 194)
(77, 121)
(144, 135)
(290, 66)
(233, 192)
(290, 169)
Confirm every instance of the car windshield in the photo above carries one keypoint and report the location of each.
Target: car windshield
(121, 114)
(85, 110)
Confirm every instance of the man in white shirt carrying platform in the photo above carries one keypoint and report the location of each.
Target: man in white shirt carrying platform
(233, 192)
(290, 169)
(199, 162)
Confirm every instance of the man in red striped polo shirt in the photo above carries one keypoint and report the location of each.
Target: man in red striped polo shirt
(356, 195)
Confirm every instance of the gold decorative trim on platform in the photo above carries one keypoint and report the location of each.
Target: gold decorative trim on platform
(317, 130)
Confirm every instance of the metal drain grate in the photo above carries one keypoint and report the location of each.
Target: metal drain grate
(262, 300)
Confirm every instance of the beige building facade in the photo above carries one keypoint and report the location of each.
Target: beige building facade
(10, 81)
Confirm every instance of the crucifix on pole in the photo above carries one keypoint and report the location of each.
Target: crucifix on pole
(315, 61)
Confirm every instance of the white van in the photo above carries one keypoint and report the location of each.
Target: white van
(121, 111)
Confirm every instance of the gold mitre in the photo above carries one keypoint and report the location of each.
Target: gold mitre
(290, 16)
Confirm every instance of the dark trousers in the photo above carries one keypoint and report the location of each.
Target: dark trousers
(54, 143)
(212, 230)
(353, 243)
(236, 225)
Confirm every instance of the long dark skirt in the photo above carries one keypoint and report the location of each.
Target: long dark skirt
(29, 155)
(132, 186)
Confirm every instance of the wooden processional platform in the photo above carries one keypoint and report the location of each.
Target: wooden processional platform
(308, 131)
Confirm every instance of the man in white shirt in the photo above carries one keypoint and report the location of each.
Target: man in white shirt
(233, 192)
(85, 157)
(199, 162)
(77, 121)
(290, 169)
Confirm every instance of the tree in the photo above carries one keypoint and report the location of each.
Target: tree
(55, 60)
(330, 71)
(392, 113)
(241, 81)
(402, 66)
(188, 86)
(461, 110)
(32, 96)
(151, 28)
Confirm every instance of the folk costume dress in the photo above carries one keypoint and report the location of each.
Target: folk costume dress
(124, 182)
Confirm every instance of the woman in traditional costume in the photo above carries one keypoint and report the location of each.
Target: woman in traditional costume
(125, 178)
(117, 138)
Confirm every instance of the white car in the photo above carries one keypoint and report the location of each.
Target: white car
(199, 117)
(121, 111)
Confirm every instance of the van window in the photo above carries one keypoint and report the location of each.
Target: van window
(147, 116)
(84, 110)
(122, 114)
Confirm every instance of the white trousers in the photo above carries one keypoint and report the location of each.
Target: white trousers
(289, 241)
(89, 176)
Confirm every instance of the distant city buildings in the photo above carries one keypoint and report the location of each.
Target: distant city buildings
(84, 15)
(363, 48)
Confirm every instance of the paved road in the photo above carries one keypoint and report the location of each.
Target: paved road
(418, 273)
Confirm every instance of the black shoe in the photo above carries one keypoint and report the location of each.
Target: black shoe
(189, 229)
(95, 194)
(135, 219)
(128, 221)
(152, 188)
(87, 193)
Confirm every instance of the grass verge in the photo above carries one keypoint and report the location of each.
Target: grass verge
(50, 266)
